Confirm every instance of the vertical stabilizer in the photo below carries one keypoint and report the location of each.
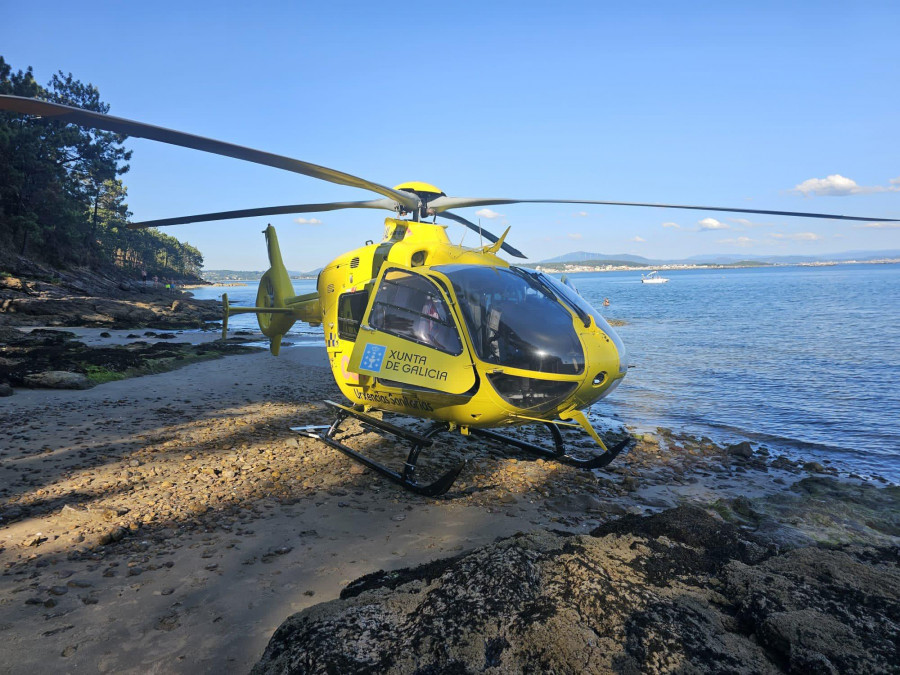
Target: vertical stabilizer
(274, 288)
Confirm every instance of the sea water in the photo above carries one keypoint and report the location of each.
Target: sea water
(801, 359)
(804, 360)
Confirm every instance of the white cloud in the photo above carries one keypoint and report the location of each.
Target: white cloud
(837, 185)
(798, 236)
(713, 224)
(574, 235)
(580, 214)
(744, 222)
(490, 214)
(639, 240)
(308, 221)
(739, 241)
(877, 226)
(675, 226)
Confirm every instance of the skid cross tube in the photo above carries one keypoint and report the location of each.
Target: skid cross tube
(558, 454)
(419, 441)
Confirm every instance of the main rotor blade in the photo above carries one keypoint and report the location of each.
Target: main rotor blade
(120, 125)
(443, 203)
(487, 235)
(387, 204)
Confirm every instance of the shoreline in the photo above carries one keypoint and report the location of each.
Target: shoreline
(173, 521)
(575, 268)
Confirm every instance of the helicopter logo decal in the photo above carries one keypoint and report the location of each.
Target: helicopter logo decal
(372, 358)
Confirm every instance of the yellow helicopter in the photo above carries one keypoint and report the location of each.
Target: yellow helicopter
(421, 327)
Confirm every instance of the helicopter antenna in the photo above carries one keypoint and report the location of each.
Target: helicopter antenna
(481, 238)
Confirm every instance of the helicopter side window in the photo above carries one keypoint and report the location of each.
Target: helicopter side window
(351, 309)
(411, 307)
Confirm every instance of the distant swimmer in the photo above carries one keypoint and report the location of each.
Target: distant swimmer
(606, 302)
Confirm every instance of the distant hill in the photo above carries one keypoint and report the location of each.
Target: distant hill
(249, 275)
(590, 263)
(584, 256)
(624, 259)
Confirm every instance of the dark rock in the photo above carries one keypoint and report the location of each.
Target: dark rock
(820, 610)
(12, 336)
(743, 507)
(653, 594)
(6, 390)
(741, 450)
(168, 622)
(782, 462)
(104, 334)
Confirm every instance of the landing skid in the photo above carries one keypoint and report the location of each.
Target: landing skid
(558, 454)
(407, 479)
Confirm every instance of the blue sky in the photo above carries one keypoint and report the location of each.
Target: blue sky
(731, 104)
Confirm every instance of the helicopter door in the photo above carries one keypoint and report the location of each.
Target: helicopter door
(409, 335)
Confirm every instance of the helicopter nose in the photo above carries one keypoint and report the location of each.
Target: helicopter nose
(608, 359)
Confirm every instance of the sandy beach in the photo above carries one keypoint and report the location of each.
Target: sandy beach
(170, 523)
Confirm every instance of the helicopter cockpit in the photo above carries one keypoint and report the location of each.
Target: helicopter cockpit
(422, 331)
(515, 320)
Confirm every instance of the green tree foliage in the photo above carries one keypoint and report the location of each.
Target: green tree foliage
(61, 199)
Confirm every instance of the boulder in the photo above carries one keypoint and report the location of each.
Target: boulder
(57, 379)
(741, 450)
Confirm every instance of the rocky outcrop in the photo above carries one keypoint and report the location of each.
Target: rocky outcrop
(679, 591)
(88, 298)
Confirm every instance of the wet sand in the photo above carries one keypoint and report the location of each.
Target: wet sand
(170, 523)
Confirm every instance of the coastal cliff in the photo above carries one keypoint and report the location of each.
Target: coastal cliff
(33, 294)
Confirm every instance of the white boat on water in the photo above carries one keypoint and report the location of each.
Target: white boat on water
(653, 278)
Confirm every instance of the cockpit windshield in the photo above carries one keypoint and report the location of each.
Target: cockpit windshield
(583, 308)
(515, 320)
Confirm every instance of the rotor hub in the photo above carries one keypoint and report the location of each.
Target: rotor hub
(425, 192)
